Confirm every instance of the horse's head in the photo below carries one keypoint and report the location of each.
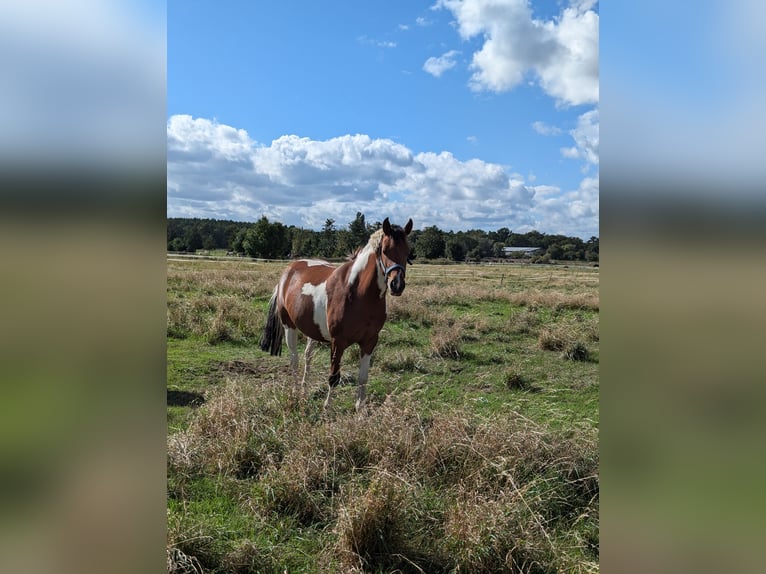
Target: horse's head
(394, 255)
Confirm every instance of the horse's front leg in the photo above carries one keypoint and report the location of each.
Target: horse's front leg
(361, 389)
(308, 354)
(336, 354)
(365, 350)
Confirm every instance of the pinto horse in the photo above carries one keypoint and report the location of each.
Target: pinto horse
(343, 305)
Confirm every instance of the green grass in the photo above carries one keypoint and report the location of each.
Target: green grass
(501, 361)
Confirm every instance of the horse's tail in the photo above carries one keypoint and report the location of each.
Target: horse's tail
(274, 331)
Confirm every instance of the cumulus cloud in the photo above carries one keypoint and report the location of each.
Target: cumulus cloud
(572, 212)
(436, 66)
(586, 138)
(219, 171)
(561, 54)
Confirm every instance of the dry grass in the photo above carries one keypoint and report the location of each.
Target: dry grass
(569, 337)
(216, 319)
(246, 281)
(446, 342)
(396, 491)
(555, 300)
(374, 527)
(233, 433)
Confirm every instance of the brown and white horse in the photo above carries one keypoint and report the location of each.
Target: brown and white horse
(343, 305)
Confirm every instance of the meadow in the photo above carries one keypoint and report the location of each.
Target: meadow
(479, 451)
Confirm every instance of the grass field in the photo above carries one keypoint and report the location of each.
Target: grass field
(479, 452)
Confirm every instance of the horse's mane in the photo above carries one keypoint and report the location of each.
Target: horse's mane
(374, 242)
(376, 239)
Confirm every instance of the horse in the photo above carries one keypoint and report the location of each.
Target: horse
(343, 305)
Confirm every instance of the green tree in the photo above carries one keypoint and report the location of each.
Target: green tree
(327, 239)
(455, 249)
(193, 240)
(177, 244)
(237, 243)
(430, 243)
(266, 240)
(357, 230)
(303, 243)
(344, 244)
(555, 251)
(591, 249)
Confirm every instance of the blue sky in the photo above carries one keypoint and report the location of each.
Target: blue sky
(461, 114)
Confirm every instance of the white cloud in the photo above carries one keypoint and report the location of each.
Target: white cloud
(373, 42)
(420, 21)
(561, 53)
(570, 213)
(545, 130)
(586, 136)
(215, 170)
(436, 66)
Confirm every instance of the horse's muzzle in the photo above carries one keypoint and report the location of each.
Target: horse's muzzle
(397, 284)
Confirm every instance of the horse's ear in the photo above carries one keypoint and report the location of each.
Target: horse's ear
(386, 226)
(408, 227)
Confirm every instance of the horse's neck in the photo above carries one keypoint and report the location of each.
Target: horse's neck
(364, 273)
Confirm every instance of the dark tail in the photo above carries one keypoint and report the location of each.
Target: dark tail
(273, 332)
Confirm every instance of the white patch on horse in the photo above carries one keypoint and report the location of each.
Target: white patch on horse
(360, 263)
(317, 263)
(319, 294)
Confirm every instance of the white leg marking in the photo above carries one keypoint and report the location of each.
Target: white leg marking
(319, 294)
(291, 336)
(364, 371)
(308, 354)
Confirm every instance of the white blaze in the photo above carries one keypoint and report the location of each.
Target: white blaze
(319, 294)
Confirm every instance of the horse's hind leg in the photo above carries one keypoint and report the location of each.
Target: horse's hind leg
(291, 336)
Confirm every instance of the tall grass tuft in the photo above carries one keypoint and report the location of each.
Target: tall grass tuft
(447, 341)
(374, 529)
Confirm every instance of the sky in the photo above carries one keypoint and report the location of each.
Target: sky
(473, 114)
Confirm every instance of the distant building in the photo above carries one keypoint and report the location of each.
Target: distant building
(517, 251)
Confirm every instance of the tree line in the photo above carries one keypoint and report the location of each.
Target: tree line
(274, 240)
